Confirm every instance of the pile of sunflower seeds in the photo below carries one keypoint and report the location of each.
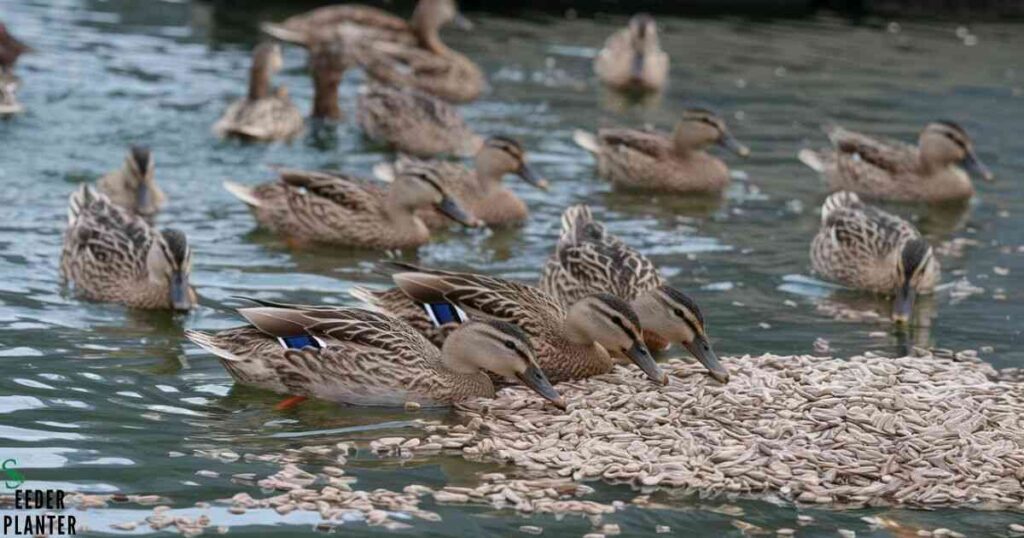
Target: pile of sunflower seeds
(868, 431)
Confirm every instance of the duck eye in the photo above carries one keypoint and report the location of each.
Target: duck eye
(679, 313)
(510, 345)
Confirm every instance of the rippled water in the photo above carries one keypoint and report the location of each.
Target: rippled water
(94, 397)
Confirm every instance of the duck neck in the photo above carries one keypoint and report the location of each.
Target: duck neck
(427, 32)
(325, 96)
(259, 81)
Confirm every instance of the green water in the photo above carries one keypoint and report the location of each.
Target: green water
(93, 397)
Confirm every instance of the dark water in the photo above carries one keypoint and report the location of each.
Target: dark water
(94, 396)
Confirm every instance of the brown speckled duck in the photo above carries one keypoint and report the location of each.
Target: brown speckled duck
(651, 160)
(266, 113)
(133, 186)
(571, 343)
(588, 259)
(632, 59)
(358, 357)
(863, 247)
(366, 23)
(318, 207)
(892, 170)
(480, 189)
(414, 123)
(112, 255)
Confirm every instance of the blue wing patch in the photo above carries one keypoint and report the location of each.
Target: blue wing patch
(299, 342)
(443, 313)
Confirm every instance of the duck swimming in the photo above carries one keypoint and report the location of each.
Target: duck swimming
(112, 255)
(655, 161)
(266, 113)
(863, 247)
(933, 171)
(359, 357)
(632, 59)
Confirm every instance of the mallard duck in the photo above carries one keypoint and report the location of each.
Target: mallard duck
(652, 160)
(133, 186)
(866, 248)
(112, 255)
(266, 113)
(348, 211)
(590, 260)
(481, 189)
(891, 170)
(9, 84)
(413, 122)
(571, 343)
(367, 23)
(632, 59)
(358, 357)
(436, 70)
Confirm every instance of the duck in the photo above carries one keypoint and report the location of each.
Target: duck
(632, 59)
(588, 259)
(133, 187)
(436, 70)
(655, 161)
(359, 357)
(345, 210)
(886, 169)
(266, 113)
(414, 123)
(866, 248)
(112, 255)
(480, 189)
(368, 23)
(571, 343)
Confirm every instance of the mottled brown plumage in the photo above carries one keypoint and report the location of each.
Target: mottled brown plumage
(447, 75)
(348, 211)
(588, 259)
(133, 186)
(571, 343)
(414, 123)
(266, 113)
(354, 356)
(480, 189)
(887, 169)
(115, 256)
(863, 247)
(656, 161)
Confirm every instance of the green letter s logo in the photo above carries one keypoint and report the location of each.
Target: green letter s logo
(13, 475)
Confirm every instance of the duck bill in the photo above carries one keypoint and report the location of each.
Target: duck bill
(976, 167)
(181, 298)
(700, 348)
(636, 68)
(534, 378)
(462, 23)
(531, 176)
(142, 197)
(903, 305)
(642, 357)
(730, 143)
(449, 208)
